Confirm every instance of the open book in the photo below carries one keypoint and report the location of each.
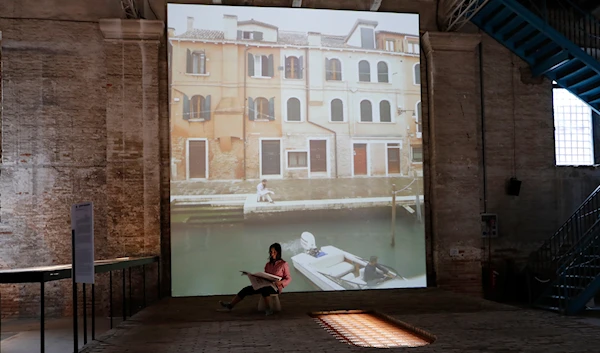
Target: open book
(262, 279)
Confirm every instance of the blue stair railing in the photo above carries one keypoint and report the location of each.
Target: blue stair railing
(577, 280)
(549, 35)
(555, 250)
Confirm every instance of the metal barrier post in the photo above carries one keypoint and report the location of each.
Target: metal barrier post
(75, 332)
(93, 311)
(84, 316)
(42, 318)
(110, 299)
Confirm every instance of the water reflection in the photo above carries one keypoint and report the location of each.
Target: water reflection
(207, 260)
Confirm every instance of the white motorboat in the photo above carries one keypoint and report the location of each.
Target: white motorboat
(330, 268)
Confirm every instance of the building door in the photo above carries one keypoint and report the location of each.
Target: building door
(318, 156)
(197, 159)
(393, 159)
(360, 159)
(271, 158)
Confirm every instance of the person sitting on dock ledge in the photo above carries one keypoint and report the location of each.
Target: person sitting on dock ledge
(372, 276)
(264, 193)
(276, 266)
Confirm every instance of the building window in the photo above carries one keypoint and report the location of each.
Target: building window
(573, 135)
(249, 35)
(337, 110)
(261, 109)
(364, 71)
(418, 120)
(293, 67)
(417, 74)
(297, 160)
(417, 154)
(198, 108)
(366, 111)
(260, 65)
(196, 62)
(333, 70)
(367, 38)
(390, 45)
(385, 112)
(293, 109)
(412, 47)
(382, 72)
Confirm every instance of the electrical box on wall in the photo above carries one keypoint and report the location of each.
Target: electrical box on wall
(489, 225)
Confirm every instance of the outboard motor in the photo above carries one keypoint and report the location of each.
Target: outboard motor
(307, 240)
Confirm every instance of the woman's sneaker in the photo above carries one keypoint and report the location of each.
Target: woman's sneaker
(225, 307)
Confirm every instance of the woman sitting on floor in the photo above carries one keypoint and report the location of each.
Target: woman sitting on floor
(276, 266)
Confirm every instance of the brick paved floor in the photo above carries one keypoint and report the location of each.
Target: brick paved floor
(461, 324)
(303, 189)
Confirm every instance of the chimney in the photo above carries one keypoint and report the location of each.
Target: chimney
(230, 27)
(190, 23)
(314, 39)
(171, 32)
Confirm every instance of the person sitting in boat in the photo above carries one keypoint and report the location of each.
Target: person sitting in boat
(276, 266)
(263, 193)
(374, 277)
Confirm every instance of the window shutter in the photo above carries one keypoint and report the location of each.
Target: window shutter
(250, 64)
(239, 35)
(203, 62)
(186, 108)
(251, 113)
(271, 66)
(300, 66)
(288, 67)
(272, 109)
(206, 109)
(327, 69)
(258, 36)
(189, 62)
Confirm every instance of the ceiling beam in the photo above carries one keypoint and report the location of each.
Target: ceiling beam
(297, 3)
(375, 5)
(217, 2)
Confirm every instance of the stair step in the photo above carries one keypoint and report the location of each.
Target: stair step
(499, 19)
(590, 91)
(510, 22)
(544, 50)
(550, 64)
(510, 35)
(590, 79)
(594, 101)
(536, 41)
(527, 31)
(578, 276)
(554, 296)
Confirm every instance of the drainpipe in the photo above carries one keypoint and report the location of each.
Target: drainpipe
(245, 98)
(308, 115)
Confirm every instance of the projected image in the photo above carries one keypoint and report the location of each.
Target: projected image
(301, 127)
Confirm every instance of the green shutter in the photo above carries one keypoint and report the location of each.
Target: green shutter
(206, 109)
(250, 65)
(189, 62)
(251, 113)
(272, 109)
(271, 66)
(186, 108)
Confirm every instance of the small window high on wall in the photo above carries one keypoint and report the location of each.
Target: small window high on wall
(573, 132)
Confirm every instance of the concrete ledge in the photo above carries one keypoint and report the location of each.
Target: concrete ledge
(253, 206)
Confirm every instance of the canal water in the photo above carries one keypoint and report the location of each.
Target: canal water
(207, 260)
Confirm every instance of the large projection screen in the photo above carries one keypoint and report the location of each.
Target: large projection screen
(325, 105)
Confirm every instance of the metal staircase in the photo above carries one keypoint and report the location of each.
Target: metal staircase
(554, 37)
(565, 271)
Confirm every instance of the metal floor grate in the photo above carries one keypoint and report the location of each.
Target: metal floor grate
(365, 329)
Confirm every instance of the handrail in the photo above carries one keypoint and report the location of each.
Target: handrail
(573, 229)
(577, 25)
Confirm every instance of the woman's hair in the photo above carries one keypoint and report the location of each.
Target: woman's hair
(277, 248)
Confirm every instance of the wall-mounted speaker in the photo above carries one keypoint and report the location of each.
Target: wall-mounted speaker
(513, 187)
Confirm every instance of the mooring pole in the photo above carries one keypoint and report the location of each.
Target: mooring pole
(393, 214)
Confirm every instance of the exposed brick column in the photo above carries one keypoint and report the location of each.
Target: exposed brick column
(454, 157)
(132, 125)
